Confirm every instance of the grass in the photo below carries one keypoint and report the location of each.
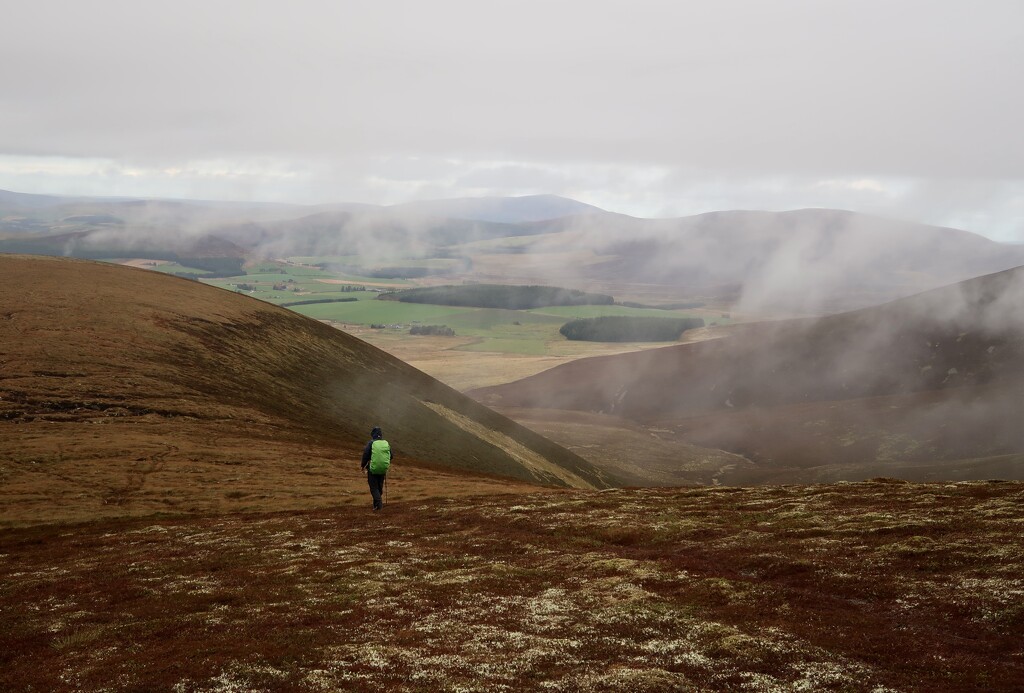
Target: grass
(489, 320)
(527, 347)
(496, 329)
(368, 312)
(900, 587)
(525, 333)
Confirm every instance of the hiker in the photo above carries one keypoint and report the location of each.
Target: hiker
(376, 460)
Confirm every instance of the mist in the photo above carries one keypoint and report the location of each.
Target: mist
(651, 108)
(800, 262)
(902, 388)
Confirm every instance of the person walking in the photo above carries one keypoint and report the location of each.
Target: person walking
(376, 462)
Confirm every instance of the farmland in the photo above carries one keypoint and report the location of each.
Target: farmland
(490, 346)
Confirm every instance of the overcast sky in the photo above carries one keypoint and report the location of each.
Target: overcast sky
(905, 108)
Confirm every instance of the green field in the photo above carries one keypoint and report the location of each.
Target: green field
(368, 312)
(302, 283)
(498, 331)
(531, 332)
(525, 347)
(486, 320)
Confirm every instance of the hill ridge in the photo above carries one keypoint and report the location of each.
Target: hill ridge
(105, 364)
(934, 377)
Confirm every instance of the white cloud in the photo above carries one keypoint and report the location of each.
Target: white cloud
(991, 208)
(859, 185)
(653, 108)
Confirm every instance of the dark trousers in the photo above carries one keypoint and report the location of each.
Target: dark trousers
(376, 488)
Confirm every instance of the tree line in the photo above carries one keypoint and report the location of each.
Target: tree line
(310, 301)
(622, 328)
(438, 330)
(499, 296)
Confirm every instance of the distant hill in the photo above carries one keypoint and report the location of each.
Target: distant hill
(120, 382)
(930, 385)
(372, 233)
(11, 201)
(808, 261)
(116, 242)
(784, 264)
(508, 210)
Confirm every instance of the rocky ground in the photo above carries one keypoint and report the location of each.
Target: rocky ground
(875, 586)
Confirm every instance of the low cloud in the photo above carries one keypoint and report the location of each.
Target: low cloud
(655, 109)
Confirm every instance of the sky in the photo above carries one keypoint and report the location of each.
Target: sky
(904, 108)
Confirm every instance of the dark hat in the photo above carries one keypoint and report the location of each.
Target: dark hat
(376, 432)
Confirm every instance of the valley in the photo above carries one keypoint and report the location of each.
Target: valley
(517, 347)
(770, 502)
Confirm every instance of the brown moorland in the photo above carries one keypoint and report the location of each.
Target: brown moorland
(128, 392)
(877, 586)
(213, 407)
(927, 387)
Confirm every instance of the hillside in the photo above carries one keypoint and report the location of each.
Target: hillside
(808, 261)
(125, 392)
(934, 378)
(874, 586)
(799, 262)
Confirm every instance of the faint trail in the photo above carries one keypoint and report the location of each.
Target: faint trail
(137, 476)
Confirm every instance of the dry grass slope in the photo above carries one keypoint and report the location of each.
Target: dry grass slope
(128, 392)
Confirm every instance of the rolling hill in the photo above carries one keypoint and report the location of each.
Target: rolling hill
(926, 387)
(125, 391)
(800, 262)
(230, 424)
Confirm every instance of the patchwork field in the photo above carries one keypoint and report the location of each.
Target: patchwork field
(521, 332)
(876, 586)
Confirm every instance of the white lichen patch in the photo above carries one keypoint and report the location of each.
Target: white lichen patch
(681, 589)
(237, 677)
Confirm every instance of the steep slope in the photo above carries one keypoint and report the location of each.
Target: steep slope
(936, 376)
(132, 377)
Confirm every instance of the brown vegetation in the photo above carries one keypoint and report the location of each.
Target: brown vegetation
(901, 389)
(877, 586)
(124, 392)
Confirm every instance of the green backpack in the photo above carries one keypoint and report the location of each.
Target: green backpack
(380, 457)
